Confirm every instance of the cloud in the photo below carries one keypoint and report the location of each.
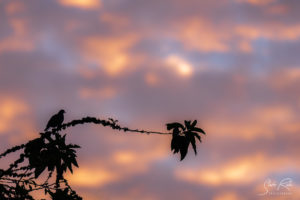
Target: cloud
(109, 53)
(102, 93)
(181, 66)
(88, 177)
(14, 7)
(135, 162)
(243, 170)
(257, 2)
(114, 20)
(228, 196)
(266, 121)
(125, 158)
(272, 32)
(16, 44)
(283, 78)
(10, 109)
(278, 9)
(82, 4)
(19, 40)
(201, 35)
(152, 79)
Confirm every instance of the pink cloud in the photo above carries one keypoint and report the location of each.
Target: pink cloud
(200, 34)
(109, 53)
(82, 4)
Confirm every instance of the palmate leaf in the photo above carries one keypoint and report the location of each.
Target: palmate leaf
(184, 145)
(193, 142)
(194, 123)
(175, 144)
(199, 130)
(74, 162)
(182, 136)
(197, 136)
(174, 125)
(187, 124)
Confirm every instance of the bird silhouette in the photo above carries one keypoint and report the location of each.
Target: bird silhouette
(56, 120)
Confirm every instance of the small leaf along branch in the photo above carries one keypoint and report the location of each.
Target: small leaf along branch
(50, 153)
(110, 122)
(11, 150)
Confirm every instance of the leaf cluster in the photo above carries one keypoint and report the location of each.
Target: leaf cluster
(183, 136)
(51, 153)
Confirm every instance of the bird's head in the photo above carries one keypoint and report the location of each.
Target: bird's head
(62, 111)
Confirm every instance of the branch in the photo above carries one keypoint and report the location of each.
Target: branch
(110, 122)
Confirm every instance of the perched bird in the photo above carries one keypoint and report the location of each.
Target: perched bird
(56, 120)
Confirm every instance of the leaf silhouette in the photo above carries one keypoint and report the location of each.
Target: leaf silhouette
(193, 142)
(38, 171)
(197, 136)
(194, 123)
(184, 144)
(183, 135)
(174, 125)
(199, 130)
(175, 143)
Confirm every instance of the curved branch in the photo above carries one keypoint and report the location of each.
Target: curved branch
(110, 122)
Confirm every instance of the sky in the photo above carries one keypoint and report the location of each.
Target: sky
(232, 64)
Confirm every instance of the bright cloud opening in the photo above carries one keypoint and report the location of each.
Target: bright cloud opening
(83, 4)
(91, 177)
(181, 66)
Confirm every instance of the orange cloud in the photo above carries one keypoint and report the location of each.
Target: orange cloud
(10, 108)
(181, 66)
(82, 4)
(109, 53)
(102, 93)
(285, 77)
(19, 26)
(19, 40)
(272, 32)
(227, 196)
(245, 46)
(15, 44)
(129, 161)
(256, 2)
(260, 122)
(90, 177)
(14, 7)
(151, 79)
(273, 115)
(86, 72)
(125, 157)
(247, 169)
(114, 20)
(278, 10)
(201, 35)
(117, 166)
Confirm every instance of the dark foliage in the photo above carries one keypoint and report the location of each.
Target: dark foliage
(50, 154)
(183, 136)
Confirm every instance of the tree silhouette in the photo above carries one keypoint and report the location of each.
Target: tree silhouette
(49, 153)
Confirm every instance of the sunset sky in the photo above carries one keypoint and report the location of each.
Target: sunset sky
(234, 65)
